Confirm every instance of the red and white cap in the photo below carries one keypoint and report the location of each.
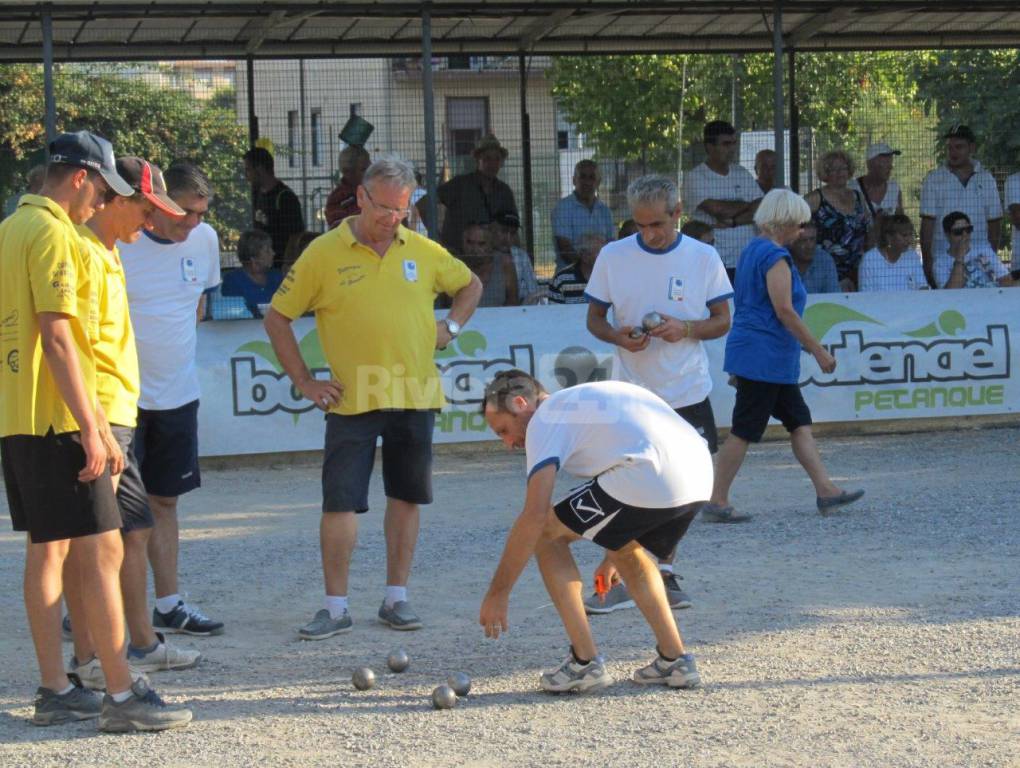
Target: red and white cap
(147, 180)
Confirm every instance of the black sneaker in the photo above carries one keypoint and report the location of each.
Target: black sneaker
(144, 710)
(676, 596)
(52, 708)
(185, 620)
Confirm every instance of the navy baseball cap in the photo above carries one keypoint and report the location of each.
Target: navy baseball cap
(94, 153)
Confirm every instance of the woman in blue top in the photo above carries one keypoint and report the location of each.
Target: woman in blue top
(763, 355)
(257, 280)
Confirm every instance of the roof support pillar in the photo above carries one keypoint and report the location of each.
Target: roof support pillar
(778, 103)
(51, 104)
(429, 103)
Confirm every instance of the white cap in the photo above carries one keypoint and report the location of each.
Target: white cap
(879, 149)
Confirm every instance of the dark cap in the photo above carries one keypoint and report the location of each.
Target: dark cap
(147, 180)
(961, 132)
(508, 219)
(94, 153)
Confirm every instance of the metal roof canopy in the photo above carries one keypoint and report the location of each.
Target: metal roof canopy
(112, 30)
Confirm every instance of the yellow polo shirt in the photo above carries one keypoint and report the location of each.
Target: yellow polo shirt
(42, 269)
(375, 315)
(113, 339)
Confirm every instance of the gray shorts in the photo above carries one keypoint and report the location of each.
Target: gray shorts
(131, 497)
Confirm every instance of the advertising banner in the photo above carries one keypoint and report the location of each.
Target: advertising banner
(902, 355)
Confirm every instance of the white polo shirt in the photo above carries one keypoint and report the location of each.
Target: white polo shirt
(682, 281)
(888, 203)
(1012, 194)
(877, 274)
(164, 283)
(643, 453)
(942, 193)
(702, 183)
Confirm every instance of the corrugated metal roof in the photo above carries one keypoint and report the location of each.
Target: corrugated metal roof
(179, 29)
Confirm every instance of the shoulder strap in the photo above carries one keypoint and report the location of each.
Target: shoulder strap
(864, 194)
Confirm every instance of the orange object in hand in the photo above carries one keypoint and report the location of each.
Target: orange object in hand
(600, 585)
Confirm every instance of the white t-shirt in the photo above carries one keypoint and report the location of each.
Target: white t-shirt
(877, 274)
(681, 282)
(942, 193)
(888, 204)
(1013, 198)
(164, 282)
(642, 452)
(982, 267)
(702, 183)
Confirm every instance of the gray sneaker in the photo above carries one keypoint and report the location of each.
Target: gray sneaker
(616, 599)
(399, 617)
(577, 678)
(676, 596)
(682, 673)
(163, 657)
(91, 672)
(323, 625)
(52, 708)
(713, 513)
(143, 711)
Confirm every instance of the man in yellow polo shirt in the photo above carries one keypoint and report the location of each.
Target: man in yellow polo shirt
(54, 446)
(118, 385)
(372, 284)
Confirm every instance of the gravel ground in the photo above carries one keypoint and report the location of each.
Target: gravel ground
(886, 636)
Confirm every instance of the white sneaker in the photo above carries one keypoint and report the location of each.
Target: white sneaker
(91, 673)
(679, 673)
(580, 678)
(163, 657)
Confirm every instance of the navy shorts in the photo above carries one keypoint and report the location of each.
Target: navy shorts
(44, 494)
(701, 417)
(593, 514)
(758, 400)
(166, 444)
(350, 454)
(131, 497)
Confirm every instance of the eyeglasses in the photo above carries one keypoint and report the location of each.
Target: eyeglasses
(400, 213)
(961, 231)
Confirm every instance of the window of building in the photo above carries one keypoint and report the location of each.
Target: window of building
(316, 125)
(293, 129)
(467, 120)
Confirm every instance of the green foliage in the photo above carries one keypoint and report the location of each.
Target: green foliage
(127, 105)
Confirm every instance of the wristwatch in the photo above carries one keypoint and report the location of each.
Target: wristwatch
(452, 326)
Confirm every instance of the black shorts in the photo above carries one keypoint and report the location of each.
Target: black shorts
(43, 491)
(758, 400)
(701, 417)
(166, 444)
(135, 514)
(350, 455)
(593, 514)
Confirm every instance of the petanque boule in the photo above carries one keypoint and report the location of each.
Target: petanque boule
(398, 660)
(363, 678)
(636, 333)
(652, 320)
(443, 697)
(460, 683)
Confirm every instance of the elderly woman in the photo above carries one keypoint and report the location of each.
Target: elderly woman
(841, 216)
(966, 265)
(763, 355)
(894, 264)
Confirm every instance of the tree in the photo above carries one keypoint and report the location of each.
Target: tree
(128, 106)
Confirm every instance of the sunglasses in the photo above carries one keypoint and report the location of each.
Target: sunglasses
(961, 231)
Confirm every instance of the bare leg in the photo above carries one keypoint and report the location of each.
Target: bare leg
(646, 587)
(163, 545)
(84, 648)
(564, 585)
(727, 464)
(133, 575)
(806, 450)
(401, 528)
(100, 558)
(42, 587)
(338, 533)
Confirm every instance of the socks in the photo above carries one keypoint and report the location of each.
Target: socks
(395, 595)
(168, 603)
(579, 660)
(123, 696)
(665, 567)
(337, 606)
(67, 690)
(664, 657)
(142, 651)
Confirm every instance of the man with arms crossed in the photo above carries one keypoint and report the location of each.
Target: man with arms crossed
(55, 441)
(372, 284)
(168, 270)
(649, 473)
(682, 279)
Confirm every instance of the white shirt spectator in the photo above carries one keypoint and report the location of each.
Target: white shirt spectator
(888, 203)
(1013, 198)
(877, 274)
(942, 193)
(702, 183)
(643, 453)
(682, 281)
(164, 282)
